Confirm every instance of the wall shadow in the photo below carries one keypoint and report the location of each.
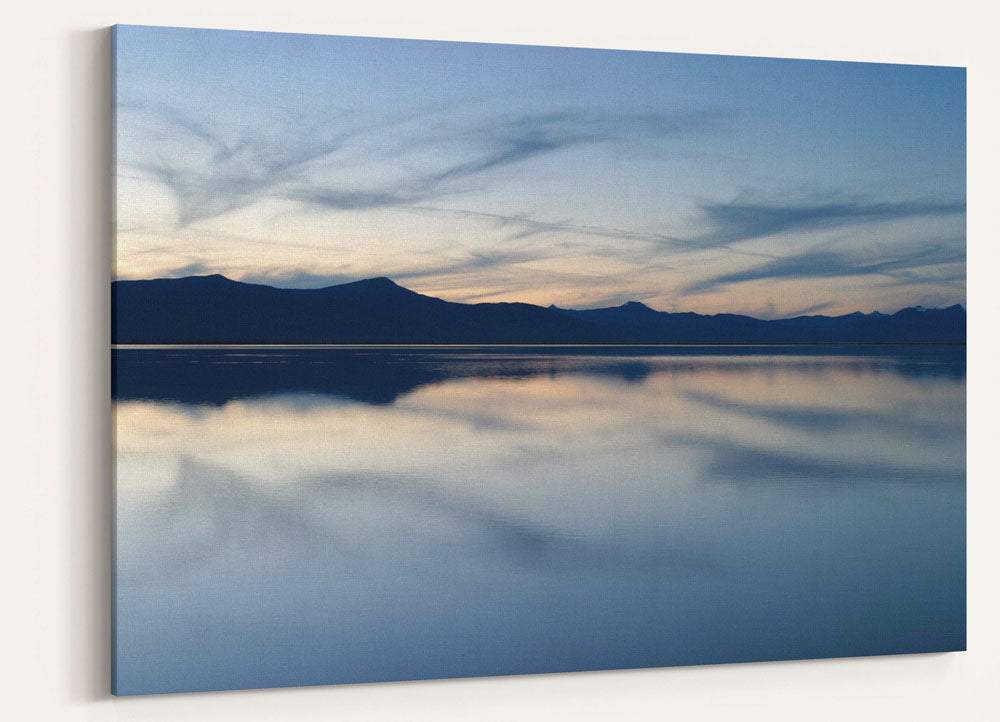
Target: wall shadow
(88, 483)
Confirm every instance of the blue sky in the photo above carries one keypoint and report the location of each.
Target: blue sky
(577, 177)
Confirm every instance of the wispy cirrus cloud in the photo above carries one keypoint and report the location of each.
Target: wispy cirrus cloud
(809, 310)
(191, 269)
(214, 174)
(343, 199)
(298, 278)
(520, 138)
(524, 226)
(209, 173)
(746, 220)
(815, 264)
(735, 222)
(473, 261)
(468, 153)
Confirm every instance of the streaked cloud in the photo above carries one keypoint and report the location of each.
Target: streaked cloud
(219, 175)
(209, 174)
(743, 221)
(526, 136)
(839, 264)
(298, 278)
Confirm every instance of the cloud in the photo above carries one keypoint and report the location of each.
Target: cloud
(283, 277)
(298, 278)
(744, 221)
(735, 222)
(808, 310)
(474, 261)
(486, 146)
(286, 158)
(350, 200)
(526, 227)
(510, 150)
(534, 134)
(191, 269)
(838, 264)
(209, 174)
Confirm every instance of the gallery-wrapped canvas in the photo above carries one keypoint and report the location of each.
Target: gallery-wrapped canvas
(440, 359)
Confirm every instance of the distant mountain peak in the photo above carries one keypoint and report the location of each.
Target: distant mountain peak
(206, 277)
(378, 284)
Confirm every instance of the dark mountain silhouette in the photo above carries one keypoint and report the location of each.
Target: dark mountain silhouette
(910, 325)
(215, 309)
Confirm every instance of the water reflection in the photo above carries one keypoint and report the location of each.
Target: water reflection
(380, 376)
(312, 516)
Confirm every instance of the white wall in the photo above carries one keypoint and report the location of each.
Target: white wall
(56, 488)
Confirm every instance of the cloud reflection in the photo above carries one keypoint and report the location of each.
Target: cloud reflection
(577, 512)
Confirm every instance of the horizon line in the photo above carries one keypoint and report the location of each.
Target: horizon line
(350, 346)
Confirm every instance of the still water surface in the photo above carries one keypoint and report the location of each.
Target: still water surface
(311, 516)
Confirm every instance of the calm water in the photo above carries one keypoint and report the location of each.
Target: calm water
(309, 516)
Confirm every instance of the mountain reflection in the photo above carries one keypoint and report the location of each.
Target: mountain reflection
(380, 375)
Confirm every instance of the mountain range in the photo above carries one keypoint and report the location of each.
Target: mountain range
(215, 309)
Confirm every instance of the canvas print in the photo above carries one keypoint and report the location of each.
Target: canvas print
(442, 359)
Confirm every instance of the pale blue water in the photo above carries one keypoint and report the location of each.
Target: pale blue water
(312, 516)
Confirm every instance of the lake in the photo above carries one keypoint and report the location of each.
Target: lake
(296, 516)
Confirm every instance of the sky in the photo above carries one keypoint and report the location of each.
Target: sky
(578, 177)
